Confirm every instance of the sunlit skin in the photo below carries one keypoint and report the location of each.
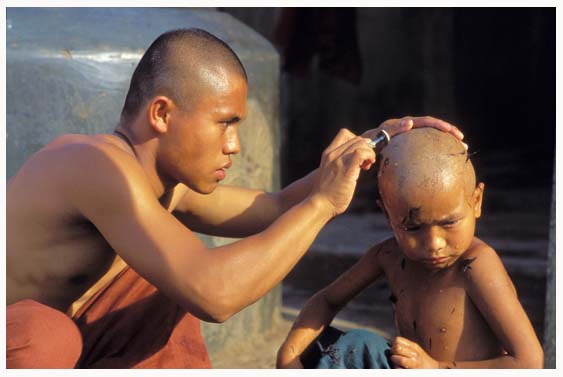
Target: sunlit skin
(83, 206)
(138, 197)
(434, 228)
(455, 306)
(212, 121)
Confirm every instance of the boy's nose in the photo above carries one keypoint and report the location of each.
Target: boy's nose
(435, 240)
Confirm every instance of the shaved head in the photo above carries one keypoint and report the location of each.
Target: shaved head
(181, 64)
(424, 160)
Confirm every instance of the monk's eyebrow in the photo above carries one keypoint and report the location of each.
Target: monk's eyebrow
(234, 119)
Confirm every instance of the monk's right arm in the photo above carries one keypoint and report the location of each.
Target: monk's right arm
(114, 194)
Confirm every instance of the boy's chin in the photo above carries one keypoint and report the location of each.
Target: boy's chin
(438, 264)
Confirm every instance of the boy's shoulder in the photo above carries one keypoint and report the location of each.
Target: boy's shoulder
(481, 263)
(478, 252)
(385, 252)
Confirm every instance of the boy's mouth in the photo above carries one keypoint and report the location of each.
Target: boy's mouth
(435, 261)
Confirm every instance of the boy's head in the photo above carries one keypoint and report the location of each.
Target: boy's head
(429, 194)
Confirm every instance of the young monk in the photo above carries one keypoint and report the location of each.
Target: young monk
(455, 306)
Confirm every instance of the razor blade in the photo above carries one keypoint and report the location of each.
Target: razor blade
(382, 136)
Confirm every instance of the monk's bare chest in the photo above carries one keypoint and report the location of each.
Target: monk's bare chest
(54, 258)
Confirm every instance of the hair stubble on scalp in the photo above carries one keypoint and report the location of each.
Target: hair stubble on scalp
(171, 66)
(424, 159)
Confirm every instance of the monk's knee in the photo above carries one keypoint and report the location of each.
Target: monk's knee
(38, 336)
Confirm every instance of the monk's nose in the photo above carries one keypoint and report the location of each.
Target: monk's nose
(232, 144)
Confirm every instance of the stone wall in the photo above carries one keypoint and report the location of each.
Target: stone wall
(68, 71)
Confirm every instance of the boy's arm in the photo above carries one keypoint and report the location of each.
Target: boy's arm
(320, 309)
(491, 290)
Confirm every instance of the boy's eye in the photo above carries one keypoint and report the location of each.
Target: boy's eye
(411, 228)
(450, 224)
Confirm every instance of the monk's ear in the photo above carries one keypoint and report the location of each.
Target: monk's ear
(478, 199)
(159, 113)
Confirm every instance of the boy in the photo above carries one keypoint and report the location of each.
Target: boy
(455, 305)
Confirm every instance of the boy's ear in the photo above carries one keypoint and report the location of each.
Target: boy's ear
(382, 207)
(159, 113)
(478, 199)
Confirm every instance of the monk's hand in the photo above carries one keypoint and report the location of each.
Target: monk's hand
(397, 126)
(339, 170)
(409, 355)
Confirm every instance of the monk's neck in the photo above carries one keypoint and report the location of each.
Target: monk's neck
(144, 152)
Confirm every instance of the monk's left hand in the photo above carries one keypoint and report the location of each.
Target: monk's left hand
(397, 126)
(409, 355)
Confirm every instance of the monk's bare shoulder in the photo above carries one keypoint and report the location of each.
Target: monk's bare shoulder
(86, 157)
(74, 169)
(69, 151)
(78, 149)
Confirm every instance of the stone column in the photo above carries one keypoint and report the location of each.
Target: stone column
(68, 71)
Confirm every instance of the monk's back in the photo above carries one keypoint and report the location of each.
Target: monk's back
(53, 254)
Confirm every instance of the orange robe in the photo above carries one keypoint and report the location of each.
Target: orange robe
(126, 324)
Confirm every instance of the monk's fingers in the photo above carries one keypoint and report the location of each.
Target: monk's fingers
(459, 135)
(358, 154)
(396, 126)
(456, 132)
(343, 136)
(429, 121)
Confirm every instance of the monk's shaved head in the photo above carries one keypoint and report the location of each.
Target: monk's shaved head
(424, 160)
(181, 64)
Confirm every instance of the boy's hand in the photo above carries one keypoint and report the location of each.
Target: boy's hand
(397, 126)
(409, 355)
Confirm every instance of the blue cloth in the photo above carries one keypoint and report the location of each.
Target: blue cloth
(355, 349)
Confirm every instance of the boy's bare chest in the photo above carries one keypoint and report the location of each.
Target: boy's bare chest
(432, 317)
(430, 312)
